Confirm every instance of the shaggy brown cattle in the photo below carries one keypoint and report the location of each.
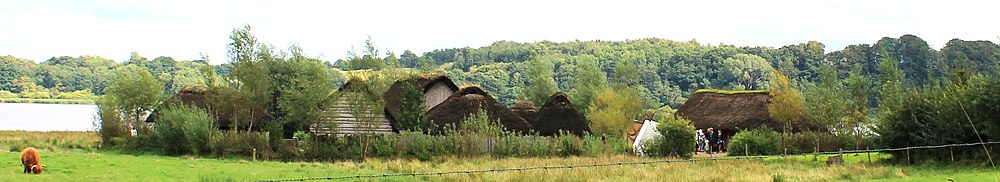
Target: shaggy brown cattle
(29, 158)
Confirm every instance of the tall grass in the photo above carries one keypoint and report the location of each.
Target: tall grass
(15, 141)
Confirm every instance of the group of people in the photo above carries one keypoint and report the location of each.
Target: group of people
(709, 141)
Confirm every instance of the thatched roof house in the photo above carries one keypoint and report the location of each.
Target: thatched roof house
(732, 111)
(558, 114)
(354, 111)
(525, 109)
(469, 100)
(436, 88)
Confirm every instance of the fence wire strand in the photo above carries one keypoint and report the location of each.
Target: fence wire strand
(573, 166)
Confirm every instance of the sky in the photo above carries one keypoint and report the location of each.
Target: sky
(185, 29)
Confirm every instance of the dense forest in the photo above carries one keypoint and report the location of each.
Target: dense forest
(664, 72)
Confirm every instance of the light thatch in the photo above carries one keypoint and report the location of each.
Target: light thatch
(733, 111)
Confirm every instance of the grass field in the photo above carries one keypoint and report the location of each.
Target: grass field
(65, 163)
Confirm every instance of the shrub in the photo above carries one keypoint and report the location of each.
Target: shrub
(569, 144)
(233, 143)
(676, 139)
(807, 142)
(183, 130)
(110, 123)
(759, 141)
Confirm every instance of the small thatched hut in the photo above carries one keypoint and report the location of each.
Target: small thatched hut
(526, 110)
(353, 112)
(731, 112)
(558, 114)
(469, 100)
(436, 88)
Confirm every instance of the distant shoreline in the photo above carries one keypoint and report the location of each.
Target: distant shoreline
(49, 101)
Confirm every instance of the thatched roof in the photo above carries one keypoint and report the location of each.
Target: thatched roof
(526, 110)
(191, 95)
(393, 96)
(731, 111)
(558, 114)
(469, 100)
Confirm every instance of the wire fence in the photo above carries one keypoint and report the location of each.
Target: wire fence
(574, 166)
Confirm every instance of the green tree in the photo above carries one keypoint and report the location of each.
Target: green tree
(588, 80)
(747, 71)
(826, 100)
(12, 69)
(890, 91)
(541, 83)
(306, 94)
(858, 87)
(412, 114)
(786, 103)
(613, 109)
(255, 81)
(135, 91)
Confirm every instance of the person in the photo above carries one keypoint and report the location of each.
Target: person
(699, 140)
(712, 138)
(721, 143)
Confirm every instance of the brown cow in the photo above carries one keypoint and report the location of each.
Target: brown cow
(29, 158)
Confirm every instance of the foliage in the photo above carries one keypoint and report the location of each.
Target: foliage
(676, 139)
(825, 100)
(181, 129)
(540, 78)
(134, 91)
(612, 110)
(239, 144)
(84, 94)
(412, 116)
(7, 95)
(890, 87)
(748, 72)
(110, 123)
(945, 114)
(588, 80)
(255, 82)
(809, 142)
(306, 93)
(758, 141)
(786, 102)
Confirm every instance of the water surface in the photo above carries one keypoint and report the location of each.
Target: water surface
(47, 117)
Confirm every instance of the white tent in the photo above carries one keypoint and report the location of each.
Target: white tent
(646, 133)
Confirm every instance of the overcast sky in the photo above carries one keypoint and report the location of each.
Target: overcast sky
(38, 30)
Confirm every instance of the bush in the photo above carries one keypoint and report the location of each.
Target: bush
(676, 139)
(233, 143)
(183, 130)
(759, 141)
(806, 142)
(110, 123)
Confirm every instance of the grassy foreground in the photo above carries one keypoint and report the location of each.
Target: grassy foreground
(72, 156)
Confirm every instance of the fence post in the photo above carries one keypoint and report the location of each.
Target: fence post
(908, 156)
(952, 151)
(255, 154)
(869, 152)
(747, 149)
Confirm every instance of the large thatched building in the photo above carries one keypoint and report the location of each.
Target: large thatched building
(731, 112)
(469, 100)
(354, 111)
(558, 114)
(435, 87)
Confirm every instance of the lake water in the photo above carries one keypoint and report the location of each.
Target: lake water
(47, 117)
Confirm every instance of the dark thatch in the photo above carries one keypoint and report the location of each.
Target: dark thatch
(191, 96)
(558, 114)
(526, 110)
(469, 100)
(733, 111)
(436, 88)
